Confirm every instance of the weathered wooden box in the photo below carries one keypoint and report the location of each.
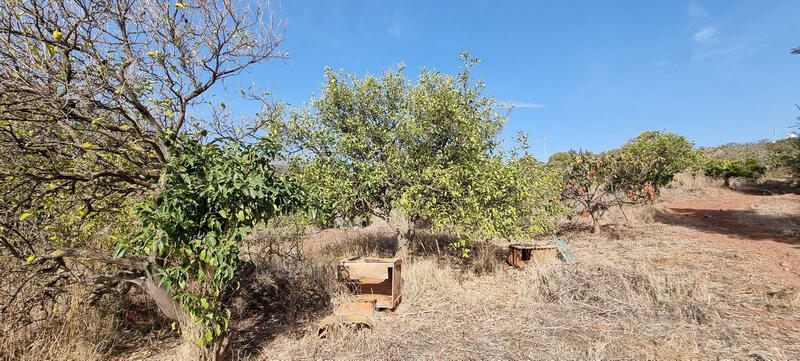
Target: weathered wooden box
(373, 279)
(522, 254)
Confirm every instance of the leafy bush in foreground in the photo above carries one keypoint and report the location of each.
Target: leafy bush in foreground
(210, 198)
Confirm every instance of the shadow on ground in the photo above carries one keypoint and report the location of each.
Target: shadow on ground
(744, 224)
(767, 187)
(276, 301)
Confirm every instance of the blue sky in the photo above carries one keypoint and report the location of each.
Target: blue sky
(584, 74)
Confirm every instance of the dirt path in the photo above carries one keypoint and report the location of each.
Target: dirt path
(730, 222)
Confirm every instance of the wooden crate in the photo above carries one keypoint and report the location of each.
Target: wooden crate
(521, 254)
(373, 279)
(357, 306)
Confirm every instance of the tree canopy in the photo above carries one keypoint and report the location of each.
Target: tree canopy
(384, 147)
(106, 105)
(631, 174)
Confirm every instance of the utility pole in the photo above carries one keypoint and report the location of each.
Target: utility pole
(544, 144)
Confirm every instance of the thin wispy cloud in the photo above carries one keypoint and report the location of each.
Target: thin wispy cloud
(396, 30)
(706, 35)
(528, 105)
(695, 11)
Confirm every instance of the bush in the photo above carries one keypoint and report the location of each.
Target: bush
(727, 169)
(786, 153)
(632, 174)
(560, 159)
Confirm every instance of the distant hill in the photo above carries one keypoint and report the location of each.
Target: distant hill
(739, 151)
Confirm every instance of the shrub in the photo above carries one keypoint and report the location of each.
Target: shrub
(727, 169)
(786, 153)
(632, 174)
(560, 159)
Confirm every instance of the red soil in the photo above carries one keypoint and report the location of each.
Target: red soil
(725, 221)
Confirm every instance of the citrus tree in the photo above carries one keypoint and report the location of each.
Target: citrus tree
(384, 147)
(105, 108)
(634, 173)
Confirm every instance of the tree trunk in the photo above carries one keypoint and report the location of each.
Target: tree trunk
(402, 245)
(163, 300)
(404, 228)
(595, 224)
(149, 283)
(217, 350)
(220, 349)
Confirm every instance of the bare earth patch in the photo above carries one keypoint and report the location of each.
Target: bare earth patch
(763, 228)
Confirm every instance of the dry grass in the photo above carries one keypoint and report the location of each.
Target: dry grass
(692, 186)
(779, 214)
(73, 329)
(641, 290)
(77, 335)
(77, 331)
(649, 296)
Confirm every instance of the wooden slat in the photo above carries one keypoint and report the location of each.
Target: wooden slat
(381, 301)
(396, 278)
(353, 271)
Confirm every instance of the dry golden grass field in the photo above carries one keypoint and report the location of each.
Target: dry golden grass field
(704, 274)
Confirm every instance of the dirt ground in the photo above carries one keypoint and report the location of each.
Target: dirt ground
(734, 222)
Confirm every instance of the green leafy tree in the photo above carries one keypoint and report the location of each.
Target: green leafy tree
(210, 198)
(631, 174)
(727, 169)
(96, 98)
(560, 159)
(384, 147)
